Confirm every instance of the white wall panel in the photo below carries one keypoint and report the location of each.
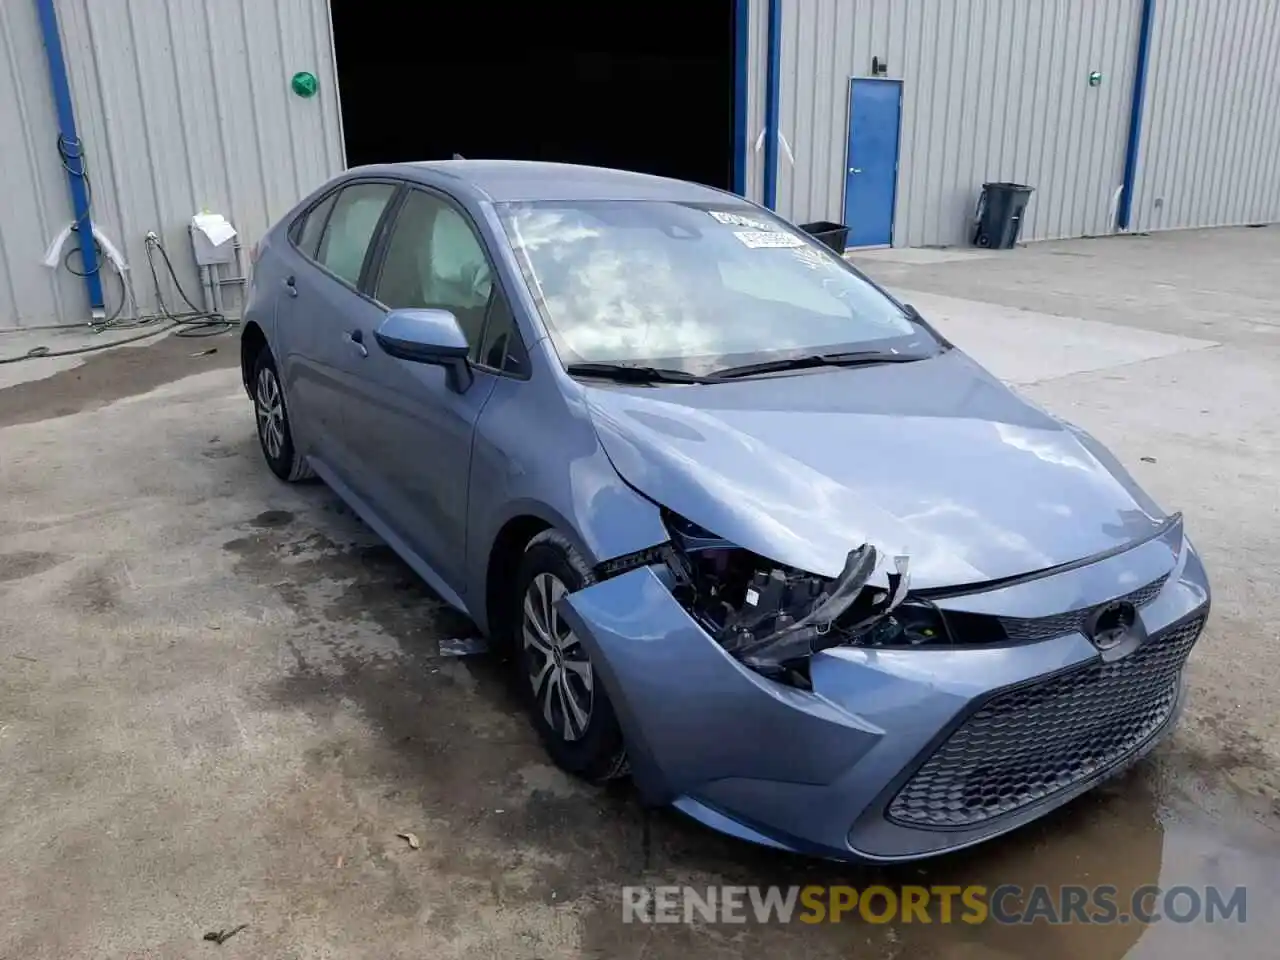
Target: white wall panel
(993, 90)
(757, 57)
(33, 189)
(1210, 152)
(182, 105)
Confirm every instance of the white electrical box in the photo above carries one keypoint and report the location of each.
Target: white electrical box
(213, 239)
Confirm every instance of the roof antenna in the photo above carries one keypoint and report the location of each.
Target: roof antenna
(458, 156)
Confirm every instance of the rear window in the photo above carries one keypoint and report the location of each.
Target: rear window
(307, 232)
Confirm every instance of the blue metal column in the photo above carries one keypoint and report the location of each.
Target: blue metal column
(1125, 209)
(741, 83)
(773, 83)
(71, 151)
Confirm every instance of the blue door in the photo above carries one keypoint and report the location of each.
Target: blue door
(875, 107)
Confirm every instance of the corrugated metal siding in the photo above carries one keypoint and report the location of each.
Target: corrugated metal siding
(993, 90)
(182, 105)
(1210, 153)
(36, 200)
(757, 71)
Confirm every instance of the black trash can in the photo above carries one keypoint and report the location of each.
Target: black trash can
(998, 219)
(834, 235)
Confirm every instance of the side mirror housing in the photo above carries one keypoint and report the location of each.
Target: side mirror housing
(428, 336)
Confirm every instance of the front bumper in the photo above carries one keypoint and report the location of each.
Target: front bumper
(818, 771)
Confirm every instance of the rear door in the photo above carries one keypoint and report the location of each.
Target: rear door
(324, 307)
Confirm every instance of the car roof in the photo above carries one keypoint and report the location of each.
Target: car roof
(523, 180)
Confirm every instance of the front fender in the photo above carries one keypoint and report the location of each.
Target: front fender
(536, 454)
(690, 713)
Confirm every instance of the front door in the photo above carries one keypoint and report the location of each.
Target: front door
(411, 430)
(875, 107)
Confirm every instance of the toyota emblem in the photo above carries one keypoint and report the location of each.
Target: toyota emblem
(1111, 623)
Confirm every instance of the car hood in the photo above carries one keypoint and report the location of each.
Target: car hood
(934, 459)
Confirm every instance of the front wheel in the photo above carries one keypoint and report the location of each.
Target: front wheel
(274, 433)
(569, 707)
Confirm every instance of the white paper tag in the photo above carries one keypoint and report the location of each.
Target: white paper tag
(214, 226)
(763, 239)
(739, 220)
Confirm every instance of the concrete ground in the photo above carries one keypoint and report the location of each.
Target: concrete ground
(221, 697)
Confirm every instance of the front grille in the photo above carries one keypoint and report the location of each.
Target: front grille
(1030, 629)
(1032, 741)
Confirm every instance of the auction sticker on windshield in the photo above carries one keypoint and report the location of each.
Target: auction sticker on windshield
(761, 239)
(740, 220)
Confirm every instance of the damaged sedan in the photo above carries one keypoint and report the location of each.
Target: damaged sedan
(752, 531)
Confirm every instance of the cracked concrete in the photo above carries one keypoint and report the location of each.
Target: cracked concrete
(221, 698)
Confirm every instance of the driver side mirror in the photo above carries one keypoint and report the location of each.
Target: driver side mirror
(428, 336)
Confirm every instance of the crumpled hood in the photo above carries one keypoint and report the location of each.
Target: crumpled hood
(935, 459)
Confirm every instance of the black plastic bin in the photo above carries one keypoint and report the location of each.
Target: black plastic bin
(834, 235)
(998, 219)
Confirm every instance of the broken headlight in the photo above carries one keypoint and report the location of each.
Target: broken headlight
(771, 617)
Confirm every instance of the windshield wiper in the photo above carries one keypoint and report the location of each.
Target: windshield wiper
(854, 358)
(630, 373)
(914, 316)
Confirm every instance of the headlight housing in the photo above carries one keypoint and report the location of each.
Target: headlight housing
(773, 617)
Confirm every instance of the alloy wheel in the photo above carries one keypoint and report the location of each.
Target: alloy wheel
(270, 408)
(559, 670)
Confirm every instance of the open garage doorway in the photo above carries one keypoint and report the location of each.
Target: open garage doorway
(647, 85)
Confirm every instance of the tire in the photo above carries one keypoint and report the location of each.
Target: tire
(274, 434)
(592, 750)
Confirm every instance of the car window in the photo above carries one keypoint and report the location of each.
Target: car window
(434, 260)
(308, 237)
(350, 228)
(502, 349)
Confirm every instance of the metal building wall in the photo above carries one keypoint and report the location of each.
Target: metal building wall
(993, 90)
(182, 105)
(33, 188)
(1210, 150)
(757, 55)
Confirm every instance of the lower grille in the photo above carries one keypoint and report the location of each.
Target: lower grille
(1027, 744)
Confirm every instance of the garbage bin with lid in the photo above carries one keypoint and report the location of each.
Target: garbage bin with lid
(998, 219)
(834, 235)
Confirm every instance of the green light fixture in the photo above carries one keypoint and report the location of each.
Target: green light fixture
(304, 84)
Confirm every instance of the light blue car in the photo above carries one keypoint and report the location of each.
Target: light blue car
(751, 529)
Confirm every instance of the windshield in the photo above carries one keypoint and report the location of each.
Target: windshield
(694, 287)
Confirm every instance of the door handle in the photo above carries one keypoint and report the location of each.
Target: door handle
(855, 169)
(289, 286)
(356, 338)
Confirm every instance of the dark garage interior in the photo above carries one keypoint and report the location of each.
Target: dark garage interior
(645, 86)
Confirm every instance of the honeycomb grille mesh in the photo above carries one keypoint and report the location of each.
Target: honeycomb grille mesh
(1028, 630)
(1027, 744)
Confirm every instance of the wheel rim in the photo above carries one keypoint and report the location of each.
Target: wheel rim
(559, 670)
(270, 407)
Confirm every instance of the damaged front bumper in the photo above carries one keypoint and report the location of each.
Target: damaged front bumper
(895, 753)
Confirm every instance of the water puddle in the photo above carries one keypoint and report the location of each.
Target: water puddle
(1149, 836)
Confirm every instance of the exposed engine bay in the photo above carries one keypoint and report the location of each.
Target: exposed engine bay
(771, 617)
